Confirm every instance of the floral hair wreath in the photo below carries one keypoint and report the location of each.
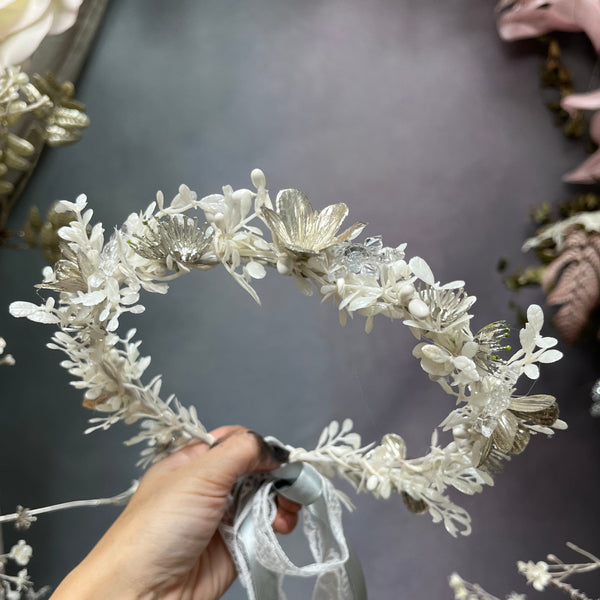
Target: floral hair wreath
(99, 281)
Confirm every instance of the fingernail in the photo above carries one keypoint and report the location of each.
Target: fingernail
(278, 453)
(272, 452)
(220, 440)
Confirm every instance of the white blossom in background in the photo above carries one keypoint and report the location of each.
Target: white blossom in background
(541, 575)
(25, 23)
(557, 232)
(7, 359)
(537, 574)
(464, 590)
(98, 280)
(21, 552)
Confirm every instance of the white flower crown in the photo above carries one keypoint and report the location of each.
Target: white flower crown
(98, 282)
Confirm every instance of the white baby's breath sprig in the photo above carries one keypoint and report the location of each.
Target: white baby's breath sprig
(464, 590)
(98, 281)
(541, 575)
(20, 586)
(554, 572)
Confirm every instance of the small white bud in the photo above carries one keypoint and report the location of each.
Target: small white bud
(469, 349)
(406, 292)
(418, 308)
(258, 179)
(283, 265)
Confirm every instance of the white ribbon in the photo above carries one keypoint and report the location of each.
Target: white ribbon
(261, 561)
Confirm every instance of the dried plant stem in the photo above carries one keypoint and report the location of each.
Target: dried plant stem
(585, 553)
(121, 498)
(573, 593)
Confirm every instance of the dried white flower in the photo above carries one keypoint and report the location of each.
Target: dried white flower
(25, 23)
(24, 518)
(7, 359)
(22, 580)
(537, 574)
(21, 552)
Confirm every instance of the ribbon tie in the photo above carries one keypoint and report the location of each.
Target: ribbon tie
(260, 559)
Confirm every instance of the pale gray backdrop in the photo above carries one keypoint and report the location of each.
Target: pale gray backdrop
(430, 129)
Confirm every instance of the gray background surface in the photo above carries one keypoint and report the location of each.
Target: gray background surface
(432, 130)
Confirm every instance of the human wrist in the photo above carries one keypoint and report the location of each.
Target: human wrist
(95, 579)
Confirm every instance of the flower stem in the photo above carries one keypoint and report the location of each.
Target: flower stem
(121, 498)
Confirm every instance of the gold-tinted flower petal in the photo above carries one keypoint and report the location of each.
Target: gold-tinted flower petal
(329, 220)
(295, 212)
(533, 403)
(351, 232)
(299, 229)
(505, 431)
(541, 409)
(275, 224)
(521, 440)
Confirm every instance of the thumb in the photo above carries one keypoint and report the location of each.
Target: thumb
(238, 451)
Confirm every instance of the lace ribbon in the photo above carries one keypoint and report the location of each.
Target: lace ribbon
(260, 559)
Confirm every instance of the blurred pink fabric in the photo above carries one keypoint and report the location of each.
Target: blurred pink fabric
(521, 19)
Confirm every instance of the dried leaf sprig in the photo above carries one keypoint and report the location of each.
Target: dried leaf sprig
(572, 277)
(555, 75)
(569, 250)
(97, 281)
(42, 233)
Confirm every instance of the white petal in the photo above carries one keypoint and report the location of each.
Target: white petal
(435, 353)
(22, 309)
(453, 285)
(255, 270)
(527, 337)
(421, 269)
(41, 316)
(532, 371)
(361, 302)
(550, 356)
(546, 342)
(535, 316)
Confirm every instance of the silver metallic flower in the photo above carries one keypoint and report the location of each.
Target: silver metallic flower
(492, 340)
(449, 307)
(175, 239)
(69, 272)
(305, 232)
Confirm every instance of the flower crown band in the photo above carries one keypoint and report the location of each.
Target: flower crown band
(99, 281)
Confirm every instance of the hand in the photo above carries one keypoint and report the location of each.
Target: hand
(165, 544)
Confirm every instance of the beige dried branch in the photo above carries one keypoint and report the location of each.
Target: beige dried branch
(572, 282)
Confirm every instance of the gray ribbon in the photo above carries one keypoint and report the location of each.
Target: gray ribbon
(261, 561)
